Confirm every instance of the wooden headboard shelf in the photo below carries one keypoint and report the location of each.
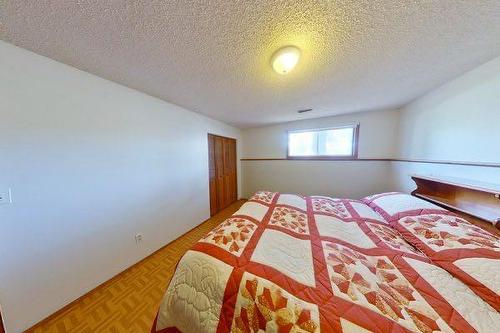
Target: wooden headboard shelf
(478, 202)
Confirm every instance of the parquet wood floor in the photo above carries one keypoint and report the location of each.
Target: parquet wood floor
(128, 302)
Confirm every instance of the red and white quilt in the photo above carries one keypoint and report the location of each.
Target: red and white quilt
(288, 263)
(465, 250)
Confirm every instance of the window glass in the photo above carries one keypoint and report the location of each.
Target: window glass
(302, 143)
(335, 142)
(332, 142)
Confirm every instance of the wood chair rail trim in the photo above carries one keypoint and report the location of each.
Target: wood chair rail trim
(465, 163)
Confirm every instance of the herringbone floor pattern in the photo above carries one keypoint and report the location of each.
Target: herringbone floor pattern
(128, 302)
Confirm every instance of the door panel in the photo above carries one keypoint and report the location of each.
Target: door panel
(212, 176)
(219, 171)
(222, 172)
(227, 172)
(234, 172)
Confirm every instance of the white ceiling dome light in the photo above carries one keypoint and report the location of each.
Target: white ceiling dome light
(285, 59)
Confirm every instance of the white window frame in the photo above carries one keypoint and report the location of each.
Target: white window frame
(355, 144)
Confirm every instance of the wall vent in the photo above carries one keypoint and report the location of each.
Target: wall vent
(304, 110)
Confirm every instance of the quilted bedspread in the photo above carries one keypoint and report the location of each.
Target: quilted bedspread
(288, 263)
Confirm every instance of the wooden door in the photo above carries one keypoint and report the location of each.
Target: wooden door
(222, 172)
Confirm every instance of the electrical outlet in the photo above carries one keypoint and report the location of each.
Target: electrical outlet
(138, 238)
(5, 196)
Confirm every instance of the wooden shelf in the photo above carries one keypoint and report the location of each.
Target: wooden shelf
(464, 183)
(479, 201)
(463, 207)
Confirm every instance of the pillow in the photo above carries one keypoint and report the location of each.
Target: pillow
(394, 205)
(465, 250)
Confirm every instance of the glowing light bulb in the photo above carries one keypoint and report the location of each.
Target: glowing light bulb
(285, 59)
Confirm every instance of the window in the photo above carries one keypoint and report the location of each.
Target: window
(327, 143)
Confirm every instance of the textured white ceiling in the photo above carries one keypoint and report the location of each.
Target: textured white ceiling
(213, 57)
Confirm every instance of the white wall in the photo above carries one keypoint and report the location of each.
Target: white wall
(401, 173)
(377, 135)
(342, 179)
(90, 163)
(377, 139)
(460, 121)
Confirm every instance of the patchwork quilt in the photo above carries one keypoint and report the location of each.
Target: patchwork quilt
(289, 263)
(462, 248)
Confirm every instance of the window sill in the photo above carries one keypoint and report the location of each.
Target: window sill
(323, 158)
(315, 159)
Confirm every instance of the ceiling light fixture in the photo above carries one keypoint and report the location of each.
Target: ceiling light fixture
(285, 59)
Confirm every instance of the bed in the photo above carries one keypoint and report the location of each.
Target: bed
(288, 263)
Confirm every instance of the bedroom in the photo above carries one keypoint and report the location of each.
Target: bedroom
(115, 119)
